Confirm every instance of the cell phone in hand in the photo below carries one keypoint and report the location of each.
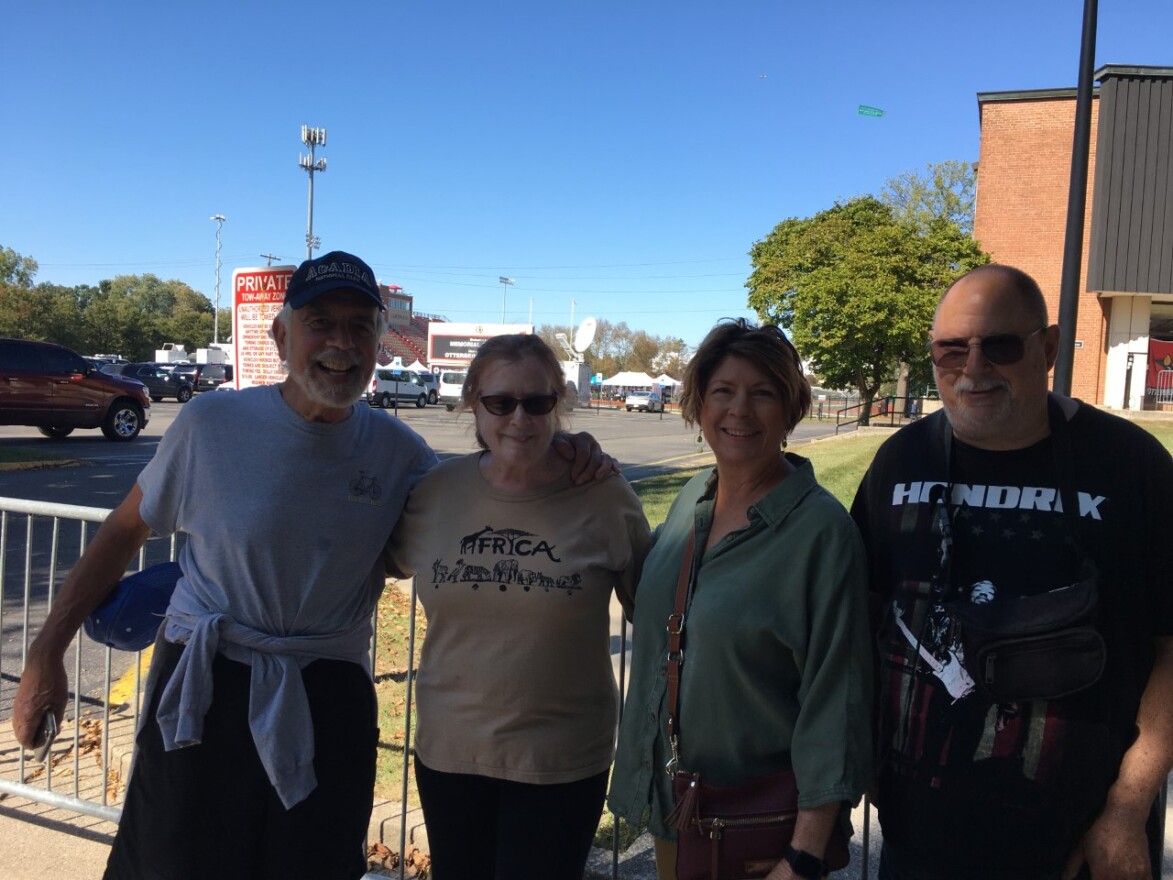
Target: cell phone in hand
(46, 733)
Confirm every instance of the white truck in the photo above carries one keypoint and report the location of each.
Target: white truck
(171, 353)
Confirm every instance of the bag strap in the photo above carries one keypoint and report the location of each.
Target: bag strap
(676, 650)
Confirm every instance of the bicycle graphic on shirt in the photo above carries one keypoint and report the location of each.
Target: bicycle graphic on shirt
(364, 486)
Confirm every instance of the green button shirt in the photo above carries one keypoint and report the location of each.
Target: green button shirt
(777, 668)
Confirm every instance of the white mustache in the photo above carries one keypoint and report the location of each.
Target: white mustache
(964, 384)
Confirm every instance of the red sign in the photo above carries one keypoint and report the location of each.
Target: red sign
(257, 297)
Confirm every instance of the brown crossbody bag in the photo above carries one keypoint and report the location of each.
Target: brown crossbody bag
(727, 832)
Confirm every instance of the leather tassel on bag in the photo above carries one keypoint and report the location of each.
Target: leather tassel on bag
(686, 810)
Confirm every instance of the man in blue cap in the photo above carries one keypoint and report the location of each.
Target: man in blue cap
(257, 754)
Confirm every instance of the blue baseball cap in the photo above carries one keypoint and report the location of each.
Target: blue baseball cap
(129, 618)
(336, 270)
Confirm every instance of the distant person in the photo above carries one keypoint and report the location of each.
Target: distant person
(1026, 643)
(256, 755)
(515, 567)
(778, 664)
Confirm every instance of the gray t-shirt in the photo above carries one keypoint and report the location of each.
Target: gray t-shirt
(286, 520)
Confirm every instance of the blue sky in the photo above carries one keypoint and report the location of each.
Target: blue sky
(624, 155)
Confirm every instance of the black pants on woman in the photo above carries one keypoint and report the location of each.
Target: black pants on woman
(491, 829)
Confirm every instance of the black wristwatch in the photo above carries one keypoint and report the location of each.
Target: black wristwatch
(804, 864)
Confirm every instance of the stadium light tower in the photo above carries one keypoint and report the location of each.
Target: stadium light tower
(505, 282)
(219, 218)
(311, 137)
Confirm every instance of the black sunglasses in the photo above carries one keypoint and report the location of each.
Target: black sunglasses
(503, 404)
(1001, 349)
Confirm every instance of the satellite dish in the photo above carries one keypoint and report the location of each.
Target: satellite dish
(585, 335)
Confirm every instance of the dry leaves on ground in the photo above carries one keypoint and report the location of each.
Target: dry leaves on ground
(417, 865)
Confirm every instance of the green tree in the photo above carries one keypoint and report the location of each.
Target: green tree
(644, 351)
(611, 348)
(856, 288)
(16, 269)
(943, 191)
(133, 315)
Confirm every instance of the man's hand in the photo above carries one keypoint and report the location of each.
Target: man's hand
(1114, 848)
(588, 462)
(43, 687)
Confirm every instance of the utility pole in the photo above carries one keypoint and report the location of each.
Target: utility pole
(270, 258)
(219, 218)
(311, 137)
(1076, 202)
(505, 284)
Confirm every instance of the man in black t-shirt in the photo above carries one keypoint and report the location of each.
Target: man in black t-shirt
(1010, 492)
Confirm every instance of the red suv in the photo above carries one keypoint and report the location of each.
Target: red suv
(56, 390)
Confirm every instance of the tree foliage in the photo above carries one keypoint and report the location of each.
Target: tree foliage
(856, 287)
(944, 191)
(616, 347)
(15, 269)
(131, 315)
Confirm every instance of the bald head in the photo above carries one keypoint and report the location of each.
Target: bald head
(1010, 282)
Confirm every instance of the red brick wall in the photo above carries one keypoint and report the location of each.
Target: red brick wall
(1024, 170)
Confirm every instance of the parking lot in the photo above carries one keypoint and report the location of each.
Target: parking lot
(644, 444)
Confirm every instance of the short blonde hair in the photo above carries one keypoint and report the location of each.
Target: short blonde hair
(766, 347)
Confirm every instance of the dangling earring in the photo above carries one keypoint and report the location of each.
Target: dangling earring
(700, 437)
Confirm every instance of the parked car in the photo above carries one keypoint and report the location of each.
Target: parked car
(391, 386)
(450, 387)
(160, 381)
(204, 377)
(432, 384)
(56, 390)
(644, 401)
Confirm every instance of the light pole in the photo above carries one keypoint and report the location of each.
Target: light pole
(505, 282)
(219, 218)
(311, 137)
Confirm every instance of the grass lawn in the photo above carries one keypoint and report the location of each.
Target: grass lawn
(20, 459)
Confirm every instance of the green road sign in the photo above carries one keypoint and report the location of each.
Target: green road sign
(865, 110)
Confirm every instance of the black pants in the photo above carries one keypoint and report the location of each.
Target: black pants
(489, 829)
(209, 811)
(890, 871)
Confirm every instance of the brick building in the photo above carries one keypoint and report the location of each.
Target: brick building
(1124, 331)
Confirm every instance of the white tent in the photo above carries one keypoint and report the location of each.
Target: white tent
(631, 380)
(667, 381)
(417, 367)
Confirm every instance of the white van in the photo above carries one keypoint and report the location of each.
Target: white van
(391, 386)
(451, 386)
(432, 384)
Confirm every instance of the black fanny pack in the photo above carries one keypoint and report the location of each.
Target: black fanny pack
(1037, 647)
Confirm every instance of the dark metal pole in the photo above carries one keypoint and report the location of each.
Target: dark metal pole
(1076, 203)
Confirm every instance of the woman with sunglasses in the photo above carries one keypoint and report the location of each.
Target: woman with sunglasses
(515, 567)
(763, 573)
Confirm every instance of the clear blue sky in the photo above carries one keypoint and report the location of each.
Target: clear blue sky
(625, 155)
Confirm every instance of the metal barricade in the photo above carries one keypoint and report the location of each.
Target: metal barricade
(1163, 391)
(89, 763)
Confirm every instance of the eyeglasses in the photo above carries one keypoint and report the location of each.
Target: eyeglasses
(535, 405)
(1000, 349)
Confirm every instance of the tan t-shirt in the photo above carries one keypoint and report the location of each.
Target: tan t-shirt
(515, 680)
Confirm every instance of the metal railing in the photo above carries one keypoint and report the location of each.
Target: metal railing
(882, 412)
(89, 763)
